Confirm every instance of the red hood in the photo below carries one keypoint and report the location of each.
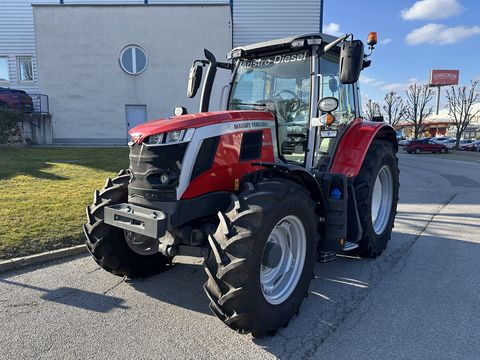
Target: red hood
(189, 121)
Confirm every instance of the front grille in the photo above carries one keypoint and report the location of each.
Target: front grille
(148, 164)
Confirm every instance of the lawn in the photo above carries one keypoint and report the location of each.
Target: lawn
(44, 191)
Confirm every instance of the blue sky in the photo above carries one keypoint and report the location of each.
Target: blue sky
(414, 37)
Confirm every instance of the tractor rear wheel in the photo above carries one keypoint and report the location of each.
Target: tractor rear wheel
(376, 192)
(108, 244)
(262, 257)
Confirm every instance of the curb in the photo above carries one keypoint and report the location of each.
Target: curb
(21, 262)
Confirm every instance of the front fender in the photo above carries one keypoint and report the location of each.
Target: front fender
(354, 144)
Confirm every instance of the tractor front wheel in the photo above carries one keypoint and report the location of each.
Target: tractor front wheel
(109, 246)
(262, 257)
(376, 191)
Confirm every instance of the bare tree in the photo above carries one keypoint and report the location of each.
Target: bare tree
(459, 106)
(394, 109)
(417, 106)
(372, 110)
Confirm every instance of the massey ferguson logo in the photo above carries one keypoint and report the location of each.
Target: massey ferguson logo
(137, 138)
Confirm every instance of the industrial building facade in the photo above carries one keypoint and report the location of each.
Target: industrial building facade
(107, 66)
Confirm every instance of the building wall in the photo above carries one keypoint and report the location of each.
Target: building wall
(261, 20)
(17, 36)
(17, 39)
(78, 49)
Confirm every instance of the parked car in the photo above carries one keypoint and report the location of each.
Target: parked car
(425, 145)
(450, 144)
(464, 143)
(473, 146)
(16, 99)
(403, 142)
(441, 139)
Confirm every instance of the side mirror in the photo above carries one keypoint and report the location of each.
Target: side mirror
(351, 61)
(194, 80)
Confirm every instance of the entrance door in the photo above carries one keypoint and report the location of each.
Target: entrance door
(136, 115)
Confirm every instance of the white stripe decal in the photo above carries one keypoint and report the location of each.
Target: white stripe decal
(216, 130)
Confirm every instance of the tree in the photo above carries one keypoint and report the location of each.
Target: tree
(459, 106)
(373, 110)
(394, 108)
(417, 107)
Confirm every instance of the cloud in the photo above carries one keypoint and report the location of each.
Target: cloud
(397, 87)
(385, 41)
(439, 34)
(332, 29)
(370, 81)
(432, 10)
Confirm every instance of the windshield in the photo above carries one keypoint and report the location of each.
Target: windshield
(281, 84)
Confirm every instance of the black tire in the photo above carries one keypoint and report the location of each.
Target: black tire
(443, 151)
(409, 151)
(417, 151)
(107, 243)
(233, 267)
(379, 154)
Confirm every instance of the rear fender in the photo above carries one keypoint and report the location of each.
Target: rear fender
(355, 142)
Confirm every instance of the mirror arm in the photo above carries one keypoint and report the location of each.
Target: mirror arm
(227, 66)
(330, 46)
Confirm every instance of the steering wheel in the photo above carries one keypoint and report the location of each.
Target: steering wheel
(288, 105)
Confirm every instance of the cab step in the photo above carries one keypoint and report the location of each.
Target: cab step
(349, 246)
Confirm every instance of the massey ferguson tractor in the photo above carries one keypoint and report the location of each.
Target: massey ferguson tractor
(287, 175)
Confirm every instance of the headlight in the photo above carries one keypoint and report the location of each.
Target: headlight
(167, 138)
(175, 136)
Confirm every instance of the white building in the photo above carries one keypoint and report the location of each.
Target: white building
(107, 65)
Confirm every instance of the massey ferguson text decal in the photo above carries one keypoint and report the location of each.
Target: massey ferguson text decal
(251, 125)
(277, 59)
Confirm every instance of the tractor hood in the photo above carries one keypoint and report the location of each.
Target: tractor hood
(193, 121)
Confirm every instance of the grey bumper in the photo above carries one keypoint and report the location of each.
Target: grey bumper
(140, 220)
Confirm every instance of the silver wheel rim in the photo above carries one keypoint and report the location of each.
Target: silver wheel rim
(280, 281)
(382, 200)
(140, 244)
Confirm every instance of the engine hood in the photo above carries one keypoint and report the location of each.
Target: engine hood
(189, 121)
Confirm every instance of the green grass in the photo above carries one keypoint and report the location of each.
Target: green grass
(43, 194)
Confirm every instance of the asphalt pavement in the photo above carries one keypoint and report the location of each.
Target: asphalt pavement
(419, 300)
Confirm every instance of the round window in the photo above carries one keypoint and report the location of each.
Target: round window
(133, 59)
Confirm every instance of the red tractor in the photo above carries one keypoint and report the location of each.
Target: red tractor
(289, 174)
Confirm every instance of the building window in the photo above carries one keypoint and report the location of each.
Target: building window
(25, 68)
(133, 59)
(4, 76)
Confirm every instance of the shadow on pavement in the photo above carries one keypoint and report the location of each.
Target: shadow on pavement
(82, 299)
(181, 286)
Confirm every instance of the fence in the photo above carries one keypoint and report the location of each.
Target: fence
(27, 103)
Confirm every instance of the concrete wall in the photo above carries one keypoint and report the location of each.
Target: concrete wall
(78, 49)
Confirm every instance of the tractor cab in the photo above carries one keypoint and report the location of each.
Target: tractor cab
(290, 77)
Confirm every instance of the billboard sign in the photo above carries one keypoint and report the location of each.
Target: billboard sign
(444, 77)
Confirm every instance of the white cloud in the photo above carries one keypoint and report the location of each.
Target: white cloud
(432, 9)
(385, 41)
(439, 34)
(332, 29)
(370, 81)
(398, 87)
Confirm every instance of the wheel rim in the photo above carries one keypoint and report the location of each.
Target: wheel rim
(382, 198)
(279, 281)
(140, 244)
